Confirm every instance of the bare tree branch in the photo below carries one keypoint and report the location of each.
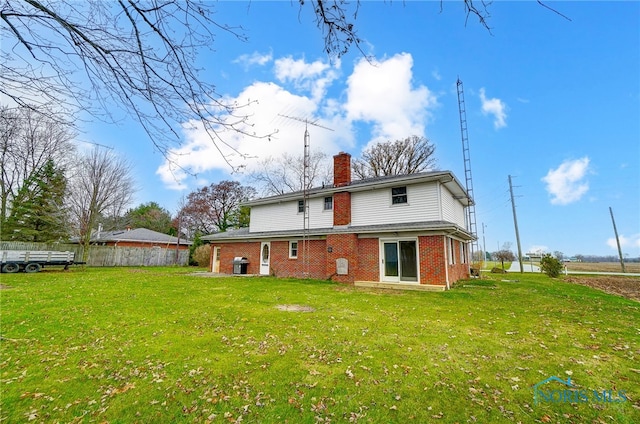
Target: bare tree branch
(139, 55)
(101, 184)
(408, 156)
(286, 174)
(553, 10)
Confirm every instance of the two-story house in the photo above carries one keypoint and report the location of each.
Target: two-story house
(402, 230)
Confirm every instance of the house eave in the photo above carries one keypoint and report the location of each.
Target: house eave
(434, 227)
(447, 178)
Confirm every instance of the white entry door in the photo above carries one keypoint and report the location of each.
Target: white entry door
(265, 254)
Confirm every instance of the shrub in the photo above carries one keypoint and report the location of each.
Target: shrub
(202, 255)
(551, 266)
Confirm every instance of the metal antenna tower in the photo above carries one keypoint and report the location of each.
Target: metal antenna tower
(471, 209)
(305, 188)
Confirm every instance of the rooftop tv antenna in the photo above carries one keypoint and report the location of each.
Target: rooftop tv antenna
(471, 209)
(306, 185)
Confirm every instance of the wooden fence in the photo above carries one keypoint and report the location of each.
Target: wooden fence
(110, 255)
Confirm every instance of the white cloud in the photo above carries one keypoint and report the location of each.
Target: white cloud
(380, 96)
(199, 153)
(626, 242)
(566, 184)
(540, 249)
(383, 94)
(313, 77)
(495, 107)
(255, 58)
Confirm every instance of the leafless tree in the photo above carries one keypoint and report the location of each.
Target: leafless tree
(28, 140)
(102, 184)
(503, 255)
(409, 156)
(215, 207)
(140, 55)
(286, 174)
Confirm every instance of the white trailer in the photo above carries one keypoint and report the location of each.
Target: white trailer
(34, 260)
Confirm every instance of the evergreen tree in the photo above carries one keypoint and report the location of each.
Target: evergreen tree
(150, 216)
(37, 212)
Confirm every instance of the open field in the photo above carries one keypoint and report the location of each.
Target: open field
(160, 345)
(631, 267)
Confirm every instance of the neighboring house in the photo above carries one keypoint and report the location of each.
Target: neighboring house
(138, 237)
(403, 230)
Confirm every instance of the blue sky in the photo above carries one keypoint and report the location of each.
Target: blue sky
(553, 103)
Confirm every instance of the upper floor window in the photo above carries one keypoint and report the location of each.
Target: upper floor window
(328, 203)
(300, 206)
(398, 195)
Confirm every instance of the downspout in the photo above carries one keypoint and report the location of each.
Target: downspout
(446, 262)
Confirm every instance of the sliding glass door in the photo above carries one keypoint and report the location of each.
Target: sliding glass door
(399, 260)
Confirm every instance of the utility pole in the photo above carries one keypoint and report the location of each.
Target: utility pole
(615, 230)
(484, 245)
(515, 223)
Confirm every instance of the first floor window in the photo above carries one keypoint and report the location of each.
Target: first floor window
(463, 253)
(293, 249)
(452, 252)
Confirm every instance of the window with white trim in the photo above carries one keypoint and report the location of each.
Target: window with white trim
(300, 206)
(452, 252)
(293, 249)
(328, 203)
(463, 252)
(398, 195)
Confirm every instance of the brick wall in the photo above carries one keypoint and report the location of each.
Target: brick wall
(368, 260)
(363, 256)
(228, 251)
(282, 266)
(342, 246)
(432, 260)
(342, 208)
(459, 270)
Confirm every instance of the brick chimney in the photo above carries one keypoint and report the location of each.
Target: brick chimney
(342, 200)
(341, 169)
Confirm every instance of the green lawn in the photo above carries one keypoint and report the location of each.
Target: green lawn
(159, 345)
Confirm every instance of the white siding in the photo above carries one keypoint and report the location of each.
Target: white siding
(452, 209)
(374, 207)
(284, 216)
